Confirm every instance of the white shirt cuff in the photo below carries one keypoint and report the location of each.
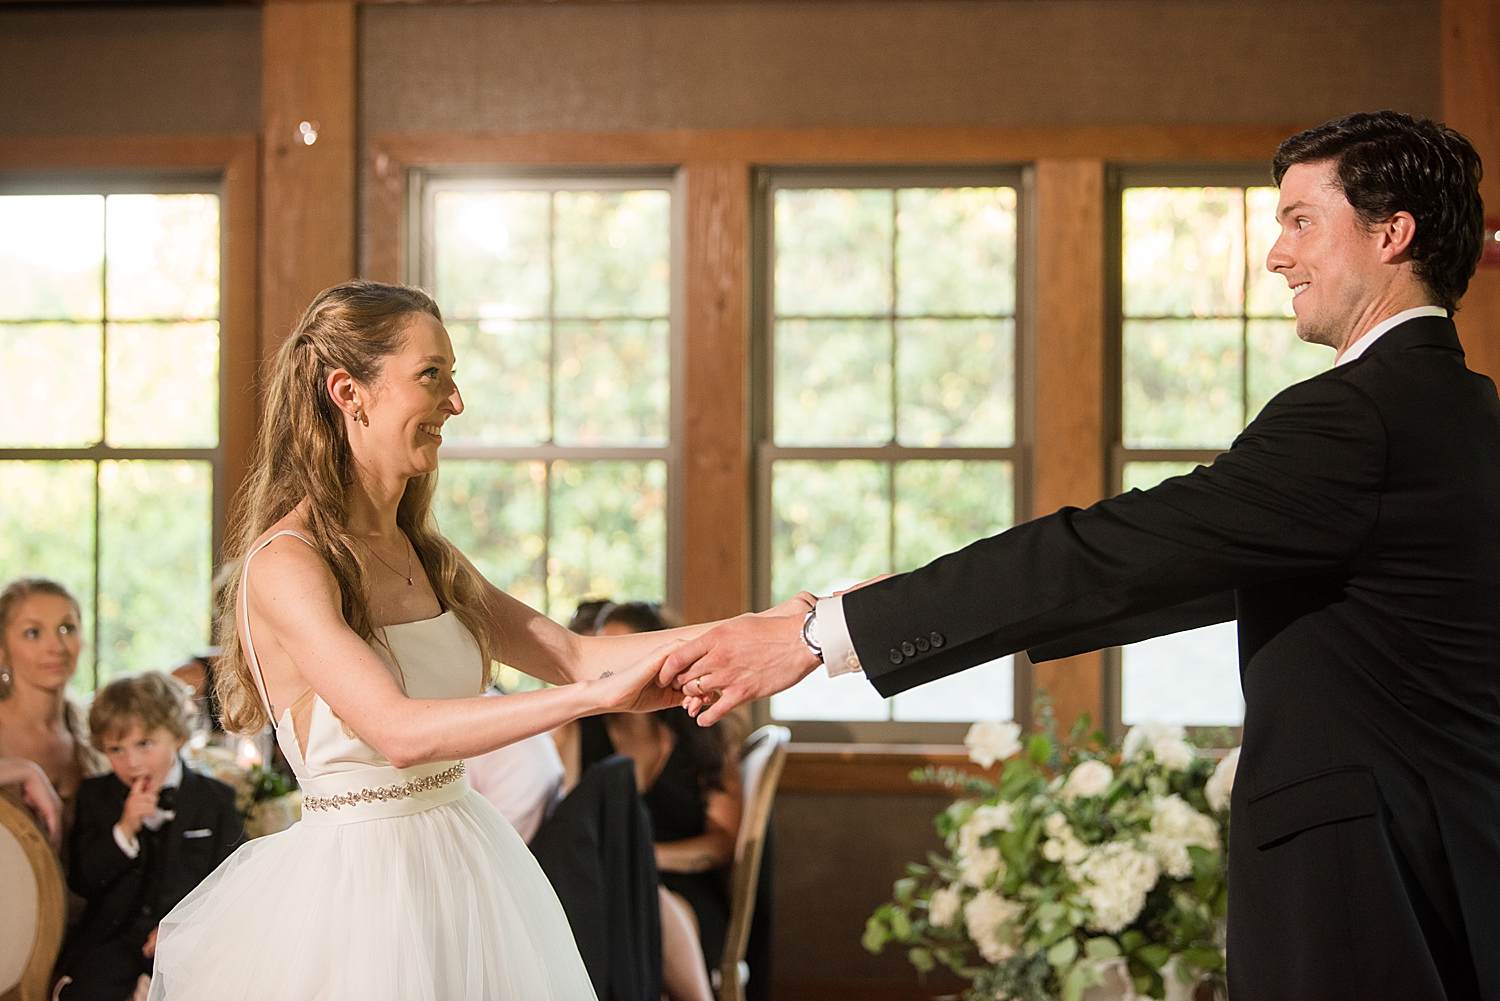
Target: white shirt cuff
(833, 636)
(130, 846)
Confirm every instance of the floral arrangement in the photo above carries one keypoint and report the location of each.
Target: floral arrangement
(1086, 864)
(268, 802)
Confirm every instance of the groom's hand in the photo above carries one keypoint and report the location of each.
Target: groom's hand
(738, 661)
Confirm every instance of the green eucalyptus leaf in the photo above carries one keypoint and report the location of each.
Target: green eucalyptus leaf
(1204, 959)
(1205, 862)
(1063, 952)
(1039, 749)
(1078, 980)
(921, 959)
(903, 889)
(900, 925)
(1051, 911)
(877, 934)
(1154, 955)
(1102, 947)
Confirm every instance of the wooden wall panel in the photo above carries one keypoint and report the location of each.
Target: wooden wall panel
(716, 439)
(307, 241)
(1068, 465)
(1471, 104)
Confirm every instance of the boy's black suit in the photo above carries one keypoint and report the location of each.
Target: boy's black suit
(128, 897)
(1354, 532)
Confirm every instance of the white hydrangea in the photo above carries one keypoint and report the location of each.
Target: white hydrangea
(989, 918)
(1175, 827)
(943, 906)
(1165, 743)
(1089, 779)
(989, 742)
(1221, 783)
(1115, 878)
(980, 862)
(1062, 845)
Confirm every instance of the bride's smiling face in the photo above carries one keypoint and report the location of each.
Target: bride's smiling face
(404, 411)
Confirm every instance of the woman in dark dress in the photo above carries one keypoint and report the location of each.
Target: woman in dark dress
(690, 784)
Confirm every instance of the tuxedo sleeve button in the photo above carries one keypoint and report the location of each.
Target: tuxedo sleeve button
(896, 656)
(922, 644)
(908, 649)
(936, 639)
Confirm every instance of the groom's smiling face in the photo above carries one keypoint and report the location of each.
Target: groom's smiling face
(1327, 255)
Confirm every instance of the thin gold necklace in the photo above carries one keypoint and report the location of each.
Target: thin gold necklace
(392, 569)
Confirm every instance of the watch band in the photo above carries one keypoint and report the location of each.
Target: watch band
(808, 622)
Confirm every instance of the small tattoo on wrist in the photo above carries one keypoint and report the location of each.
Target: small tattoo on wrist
(606, 674)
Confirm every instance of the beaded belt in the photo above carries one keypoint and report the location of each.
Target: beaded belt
(380, 791)
(401, 790)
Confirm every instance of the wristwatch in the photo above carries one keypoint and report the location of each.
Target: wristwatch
(809, 630)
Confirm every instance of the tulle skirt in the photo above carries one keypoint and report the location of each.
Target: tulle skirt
(447, 904)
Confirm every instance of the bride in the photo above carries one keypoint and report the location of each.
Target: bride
(365, 637)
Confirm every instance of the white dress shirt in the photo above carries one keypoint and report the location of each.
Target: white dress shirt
(154, 820)
(832, 629)
(1362, 345)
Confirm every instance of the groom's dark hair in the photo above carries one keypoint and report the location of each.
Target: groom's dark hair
(1388, 162)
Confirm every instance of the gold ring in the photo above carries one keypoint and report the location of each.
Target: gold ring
(699, 683)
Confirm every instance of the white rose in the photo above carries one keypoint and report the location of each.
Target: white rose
(978, 866)
(1089, 779)
(990, 742)
(943, 907)
(1165, 743)
(1052, 850)
(989, 918)
(1055, 824)
(1221, 783)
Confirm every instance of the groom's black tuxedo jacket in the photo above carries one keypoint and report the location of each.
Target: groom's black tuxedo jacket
(1354, 531)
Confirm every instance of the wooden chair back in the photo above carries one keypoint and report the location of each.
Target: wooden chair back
(761, 761)
(36, 906)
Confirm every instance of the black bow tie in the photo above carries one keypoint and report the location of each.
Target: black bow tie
(167, 799)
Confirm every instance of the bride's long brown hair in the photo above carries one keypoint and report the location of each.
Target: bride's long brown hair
(302, 453)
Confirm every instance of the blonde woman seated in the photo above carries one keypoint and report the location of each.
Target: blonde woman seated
(366, 637)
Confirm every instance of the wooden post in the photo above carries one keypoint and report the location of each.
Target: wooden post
(1068, 466)
(308, 76)
(1471, 104)
(716, 441)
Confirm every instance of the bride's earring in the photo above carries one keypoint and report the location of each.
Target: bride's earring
(359, 415)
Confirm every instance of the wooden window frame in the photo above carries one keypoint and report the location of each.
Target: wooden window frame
(229, 162)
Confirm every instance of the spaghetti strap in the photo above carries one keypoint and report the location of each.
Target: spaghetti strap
(260, 682)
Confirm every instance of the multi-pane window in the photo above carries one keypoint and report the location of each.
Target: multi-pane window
(891, 404)
(558, 295)
(1208, 337)
(109, 422)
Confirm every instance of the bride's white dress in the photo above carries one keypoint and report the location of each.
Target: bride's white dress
(398, 883)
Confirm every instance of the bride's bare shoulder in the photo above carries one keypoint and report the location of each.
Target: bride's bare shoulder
(286, 565)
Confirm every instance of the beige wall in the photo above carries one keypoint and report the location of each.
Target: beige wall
(514, 68)
(129, 70)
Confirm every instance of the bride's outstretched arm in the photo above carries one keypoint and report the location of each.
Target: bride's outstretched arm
(527, 640)
(296, 610)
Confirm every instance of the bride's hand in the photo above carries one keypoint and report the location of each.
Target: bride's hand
(798, 604)
(634, 689)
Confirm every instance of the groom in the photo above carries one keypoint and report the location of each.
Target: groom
(1353, 530)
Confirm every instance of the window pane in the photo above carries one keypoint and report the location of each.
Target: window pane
(51, 257)
(956, 251)
(1190, 678)
(490, 253)
(162, 257)
(833, 252)
(53, 387)
(817, 696)
(1182, 383)
(956, 382)
(611, 253)
(1145, 475)
(987, 691)
(155, 563)
(833, 382)
(1184, 251)
(502, 372)
(47, 530)
(1279, 358)
(944, 505)
(494, 512)
(608, 533)
(830, 525)
(612, 382)
(1268, 293)
(163, 385)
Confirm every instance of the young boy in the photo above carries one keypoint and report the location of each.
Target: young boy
(143, 837)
